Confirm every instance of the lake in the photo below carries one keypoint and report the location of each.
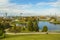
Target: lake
(51, 26)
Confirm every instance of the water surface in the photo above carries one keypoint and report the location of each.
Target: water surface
(51, 26)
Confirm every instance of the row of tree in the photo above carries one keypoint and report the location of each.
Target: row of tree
(33, 26)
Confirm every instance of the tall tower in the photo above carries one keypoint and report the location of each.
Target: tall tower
(5, 15)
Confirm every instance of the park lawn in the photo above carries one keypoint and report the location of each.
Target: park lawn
(33, 37)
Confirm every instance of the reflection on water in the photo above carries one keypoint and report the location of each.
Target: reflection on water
(51, 27)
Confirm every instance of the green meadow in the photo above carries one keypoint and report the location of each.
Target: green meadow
(33, 37)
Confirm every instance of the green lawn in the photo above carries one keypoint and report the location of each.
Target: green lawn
(34, 37)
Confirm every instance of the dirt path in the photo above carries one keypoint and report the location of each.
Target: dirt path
(33, 33)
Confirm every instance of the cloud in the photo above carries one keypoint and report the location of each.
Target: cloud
(29, 9)
(54, 4)
(54, 7)
(12, 8)
(3, 2)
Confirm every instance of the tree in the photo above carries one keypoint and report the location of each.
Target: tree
(45, 29)
(3, 26)
(30, 26)
(35, 25)
(1, 34)
(2, 31)
(15, 29)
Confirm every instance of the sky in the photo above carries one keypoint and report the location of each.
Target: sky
(29, 7)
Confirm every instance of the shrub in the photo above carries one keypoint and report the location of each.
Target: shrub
(2, 34)
(45, 29)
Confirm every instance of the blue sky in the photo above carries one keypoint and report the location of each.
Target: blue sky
(30, 1)
(30, 7)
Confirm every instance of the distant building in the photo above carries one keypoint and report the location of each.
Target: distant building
(58, 18)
